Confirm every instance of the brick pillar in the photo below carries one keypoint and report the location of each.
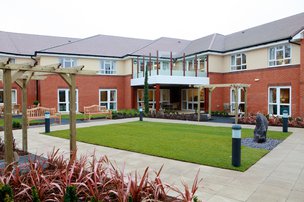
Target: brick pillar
(301, 101)
(157, 97)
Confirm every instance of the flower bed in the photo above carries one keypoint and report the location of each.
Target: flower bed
(57, 179)
(273, 120)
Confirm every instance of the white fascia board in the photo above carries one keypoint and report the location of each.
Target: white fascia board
(171, 80)
(298, 36)
(15, 56)
(77, 56)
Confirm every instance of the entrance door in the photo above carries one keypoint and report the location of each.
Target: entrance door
(241, 101)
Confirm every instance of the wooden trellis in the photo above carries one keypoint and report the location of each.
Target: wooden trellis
(22, 74)
(235, 86)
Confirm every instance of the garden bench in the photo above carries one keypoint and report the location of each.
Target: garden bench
(38, 113)
(96, 110)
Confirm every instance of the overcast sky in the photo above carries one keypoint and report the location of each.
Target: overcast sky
(188, 19)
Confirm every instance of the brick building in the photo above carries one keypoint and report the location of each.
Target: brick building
(270, 57)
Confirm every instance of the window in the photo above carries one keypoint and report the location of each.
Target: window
(190, 65)
(190, 98)
(165, 65)
(14, 96)
(108, 67)
(279, 99)
(64, 100)
(68, 62)
(108, 98)
(164, 97)
(238, 62)
(280, 55)
(241, 100)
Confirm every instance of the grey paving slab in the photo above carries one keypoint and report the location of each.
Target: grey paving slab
(278, 176)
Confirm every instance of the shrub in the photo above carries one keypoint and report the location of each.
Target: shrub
(36, 102)
(273, 120)
(16, 124)
(70, 194)
(6, 193)
(56, 179)
(35, 195)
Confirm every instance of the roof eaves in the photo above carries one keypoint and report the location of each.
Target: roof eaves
(75, 54)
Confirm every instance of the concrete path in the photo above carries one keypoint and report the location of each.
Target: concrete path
(279, 176)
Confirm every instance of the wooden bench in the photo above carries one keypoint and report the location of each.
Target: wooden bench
(37, 113)
(96, 110)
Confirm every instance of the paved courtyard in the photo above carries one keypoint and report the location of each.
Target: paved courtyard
(279, 176)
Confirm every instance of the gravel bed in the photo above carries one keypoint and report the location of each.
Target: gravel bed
(269, 144)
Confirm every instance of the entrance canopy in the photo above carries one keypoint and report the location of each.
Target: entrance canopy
(235, 86)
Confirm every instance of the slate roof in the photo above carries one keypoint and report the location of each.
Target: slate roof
(100, 45)
(114, 46)
(27, 44)
(161, 45)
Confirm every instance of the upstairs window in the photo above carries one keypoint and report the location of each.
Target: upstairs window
(280, 55)
(238, 62)
(108, 67)
(68, 62)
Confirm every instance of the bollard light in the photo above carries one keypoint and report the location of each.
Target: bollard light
(141, 114)
(47, 121)
(285, 121)
(236, 145)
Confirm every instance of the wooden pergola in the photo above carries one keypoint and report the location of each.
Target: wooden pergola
(21, 74)
(235, 86)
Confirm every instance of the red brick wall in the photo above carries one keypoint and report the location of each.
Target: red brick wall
(258, 91)
(301, 93)
(31, 92)
(217, 98)
(88, 90)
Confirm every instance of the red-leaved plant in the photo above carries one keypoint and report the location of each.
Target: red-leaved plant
(97, 180)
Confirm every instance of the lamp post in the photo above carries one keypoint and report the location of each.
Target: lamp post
(141, 114)
(285, 121)
(47, 121)
(236, 145)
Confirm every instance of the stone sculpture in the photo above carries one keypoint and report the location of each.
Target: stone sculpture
(261, 127)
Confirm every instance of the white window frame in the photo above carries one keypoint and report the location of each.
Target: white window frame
(192, 103)
(107, 70)
(233, 62)
(72, 62)
(67, 101)
(232, 103)
(153, 102)
(275, 60)
(108, 102)
(163, 65)
(14, 98)
(278, 88)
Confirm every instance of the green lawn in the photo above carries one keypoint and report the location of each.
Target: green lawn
(198, 144)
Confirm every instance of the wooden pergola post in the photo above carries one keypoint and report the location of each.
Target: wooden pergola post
(24, 115)
(236, 104)
(246, 110)
(22, 76)
(209, 101)
(199, 103)
(73, 147)
(71, 81)
(8, 133)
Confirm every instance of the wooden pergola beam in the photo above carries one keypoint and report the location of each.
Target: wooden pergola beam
(24, 73)
(235, 86)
